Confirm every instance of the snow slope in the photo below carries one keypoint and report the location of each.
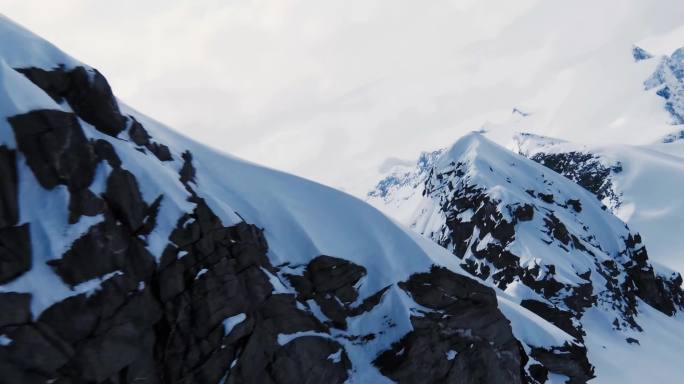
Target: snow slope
(647, 187)
(150, 187)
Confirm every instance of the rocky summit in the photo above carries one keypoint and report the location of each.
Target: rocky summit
(539, 229)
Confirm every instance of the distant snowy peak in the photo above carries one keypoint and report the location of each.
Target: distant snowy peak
(668, 82)
(403, 175)
(640, 54)
(399, 192)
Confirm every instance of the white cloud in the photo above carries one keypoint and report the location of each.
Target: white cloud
(329, 89)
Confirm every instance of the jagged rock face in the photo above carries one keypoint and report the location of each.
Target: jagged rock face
(491, 213)
(15, 252)
(15, 242)
(461, 320)
(234, 283)
(55, 147)
(595, 174)
(206, 310)
(164, 323)
(495, 261)
(86, 91)
(480, 231)
(148, 322)
(9, 210)
(586, 170)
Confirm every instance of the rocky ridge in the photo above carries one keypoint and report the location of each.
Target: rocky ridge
(210, 306)
(489, 206)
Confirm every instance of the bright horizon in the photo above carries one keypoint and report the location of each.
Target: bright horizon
(330, 92)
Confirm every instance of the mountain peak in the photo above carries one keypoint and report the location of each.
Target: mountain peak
(541, 238)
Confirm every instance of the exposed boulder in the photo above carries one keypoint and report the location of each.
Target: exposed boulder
(187, 172)
(328, 363)
(161, 151)
(524, 212)
(105, 152)
(560, 318)
(464, 339)
(14, 308)
(106, 247)
(138, 134)
(169, 322)
(140, 137)
(649, 287)
(86, 91)
(332, 283)
(15, 252)
(84, 203)
(9, 206)
(55, 147)
(119, 340)
(124, 199)
(569, 360)
(34, 354)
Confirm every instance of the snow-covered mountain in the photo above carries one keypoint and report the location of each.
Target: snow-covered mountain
(544, 238)
(639, 184)
(129, 253)
(668, 82)
(551, 244)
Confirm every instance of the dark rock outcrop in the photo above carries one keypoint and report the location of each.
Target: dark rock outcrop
(86, 91)
(331, 283)
(106, 247)
(649, 287)
(235, 282)
(55, 147)
(481, 228)
(568, 360)
(187, 172)
(15, 252)
(15, 241)
(124, 199)
(84, 203)
(14, 308)
(138, 134)
(141, 138)
(585, 169)
(105, 152)
(9, 204)
(166, 323)
(561, 319)
(143, 320)
(464, 339)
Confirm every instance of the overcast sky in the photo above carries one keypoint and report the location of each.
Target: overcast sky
(330, 89)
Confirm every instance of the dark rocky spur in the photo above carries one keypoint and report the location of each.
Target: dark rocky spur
(159, 323)
(480, 229)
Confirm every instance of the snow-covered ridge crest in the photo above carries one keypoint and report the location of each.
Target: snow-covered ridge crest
(667, 82)
(129, 251)
(637, 183)
(545, 240)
